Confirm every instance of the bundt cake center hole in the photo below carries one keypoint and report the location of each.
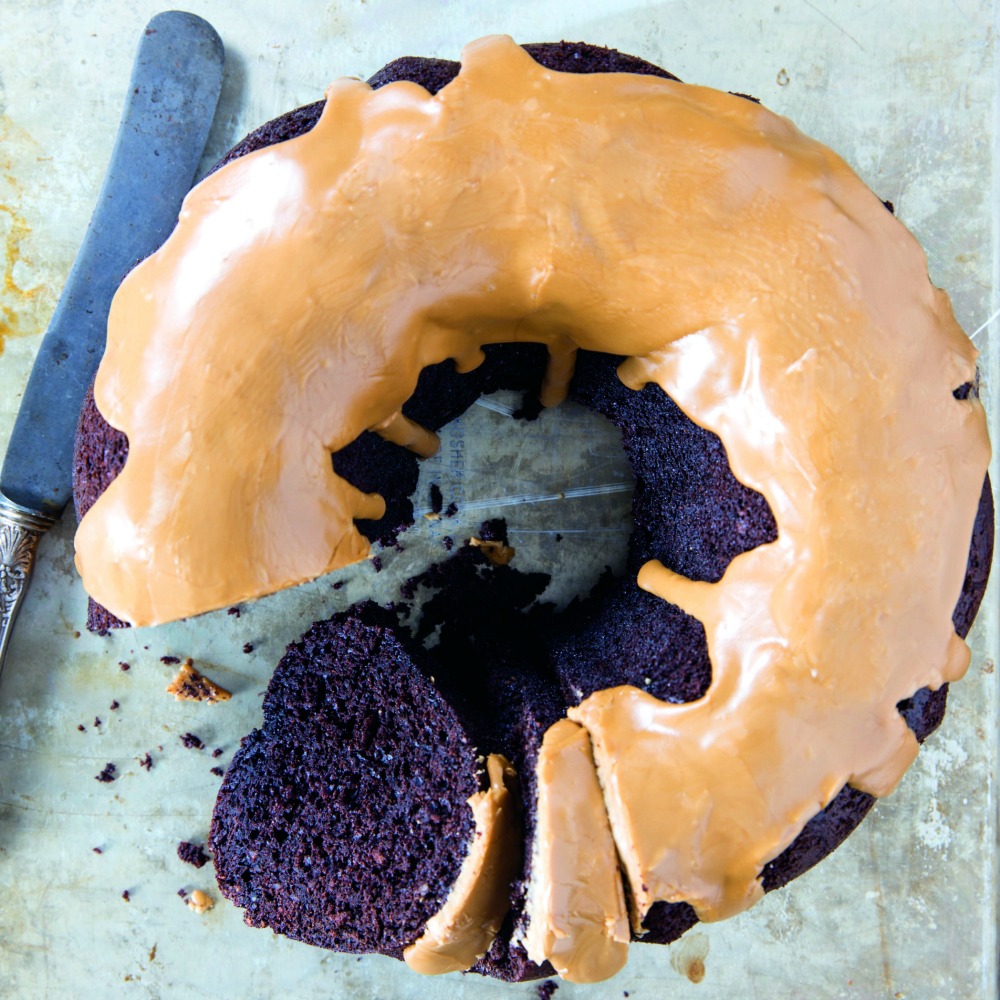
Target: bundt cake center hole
(561, 483)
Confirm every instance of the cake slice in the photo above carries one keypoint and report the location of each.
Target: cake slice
(344, 821)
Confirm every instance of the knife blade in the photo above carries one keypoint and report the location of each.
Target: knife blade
(169, 106)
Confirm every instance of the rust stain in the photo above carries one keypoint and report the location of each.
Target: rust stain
(21, 306)
(880, 907)
(696, 970)
(688, 956)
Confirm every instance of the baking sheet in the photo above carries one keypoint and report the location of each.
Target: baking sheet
(907, 908)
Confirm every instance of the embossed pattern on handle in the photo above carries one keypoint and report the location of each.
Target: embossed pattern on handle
(20, 531)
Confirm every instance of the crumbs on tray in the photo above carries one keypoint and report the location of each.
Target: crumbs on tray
(190, 685)
(192, 854)
(200, 901)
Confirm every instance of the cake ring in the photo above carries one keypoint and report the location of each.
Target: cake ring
(751, 681)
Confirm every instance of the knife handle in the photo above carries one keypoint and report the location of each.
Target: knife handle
(20, 531)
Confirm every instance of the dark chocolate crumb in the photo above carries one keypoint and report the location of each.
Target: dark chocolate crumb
(248, 647)
(377, 563)
(126, 896)
(182, 893)
(108, 774)
(546, 989)
(192, 854)
(217, 752)
(114, 705)
(218, 772)
(449, 542)
(494, 530)
(234, 611)
(97, 850)
(437, 500)
(889, 205)
(170, 659)
(82, 728)
(338, 584)
(451, 510)
(146, 761)
(192, 742)
(558, 537)
(123, 666)
(97, 722)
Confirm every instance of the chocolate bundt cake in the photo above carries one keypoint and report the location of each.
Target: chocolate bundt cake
(346, 821)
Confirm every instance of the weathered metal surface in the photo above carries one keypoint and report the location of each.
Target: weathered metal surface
(905, 93)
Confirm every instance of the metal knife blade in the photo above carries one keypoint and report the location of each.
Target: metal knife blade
(169, 107)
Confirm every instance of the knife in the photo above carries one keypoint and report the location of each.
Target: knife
(169, 107)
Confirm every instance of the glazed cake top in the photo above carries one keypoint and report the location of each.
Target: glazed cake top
(738, 264)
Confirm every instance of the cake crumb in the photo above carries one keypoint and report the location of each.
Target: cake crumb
(123, 666)
(108, 774)
(448, 542)
(127, 896)
(191, 685)
(114, 705)
(377, 563)
(97, 722)
(217, 752)
(337, 584)
(200, 901)
(192, 742)
(546, 989)
(496, 551)
(82, 728)
(248, 647)
(218, 772)
(451, 510)
(234, 611)
(170, 659)
(192, 854)
(182, 892)
(437, 499)
(98, 850)
(146, 761)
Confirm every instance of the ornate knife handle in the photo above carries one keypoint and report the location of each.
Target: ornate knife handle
(20, 530)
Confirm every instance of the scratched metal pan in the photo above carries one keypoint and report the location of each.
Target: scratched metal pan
(906, 908)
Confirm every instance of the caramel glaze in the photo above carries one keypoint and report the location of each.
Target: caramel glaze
(576, 908)
(461, 932)
(738, 264)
